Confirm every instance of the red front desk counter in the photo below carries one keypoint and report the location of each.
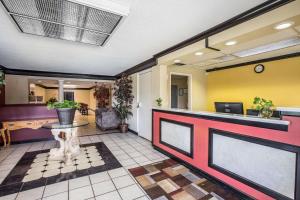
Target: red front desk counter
(258, 157)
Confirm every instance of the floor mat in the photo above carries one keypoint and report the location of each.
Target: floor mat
(169, 180)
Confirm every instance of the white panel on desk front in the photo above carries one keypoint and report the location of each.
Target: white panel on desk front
(176, 135)
(266, 166)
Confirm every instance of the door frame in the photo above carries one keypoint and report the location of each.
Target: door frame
(190, 85)
(138, 95)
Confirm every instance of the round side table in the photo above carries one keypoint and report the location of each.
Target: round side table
(66, 135)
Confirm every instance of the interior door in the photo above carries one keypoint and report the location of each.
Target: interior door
(174, 96)
(145, 106)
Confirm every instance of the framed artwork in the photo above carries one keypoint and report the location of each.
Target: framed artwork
(185, 91)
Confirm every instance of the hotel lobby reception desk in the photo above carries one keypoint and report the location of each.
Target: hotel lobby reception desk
(258, 157)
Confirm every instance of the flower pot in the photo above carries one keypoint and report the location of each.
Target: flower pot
(66, 115)
(123, 128)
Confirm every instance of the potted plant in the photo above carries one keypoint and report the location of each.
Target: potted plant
(124, 98)
(65, 111)
(101, 94)
(51, 100)
(159, 102)
(265, 107)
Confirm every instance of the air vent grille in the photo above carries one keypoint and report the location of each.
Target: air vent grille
(63, 19)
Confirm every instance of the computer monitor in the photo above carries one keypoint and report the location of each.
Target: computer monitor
(229, 107)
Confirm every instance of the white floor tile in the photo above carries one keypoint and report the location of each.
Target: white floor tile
(123, 181)
(109, 196)
(143, 198)
(79, 182)
(60, 196)
(99, 177)
(103, 187)
(131, 192)
(81, 193)
(32, 194)
(117, 172)
(9, 197)
(56, 188)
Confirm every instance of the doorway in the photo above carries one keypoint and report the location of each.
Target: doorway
(145, 105)
(180, 91)
(69, 95)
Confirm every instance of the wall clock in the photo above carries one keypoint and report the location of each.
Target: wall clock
(259, 68)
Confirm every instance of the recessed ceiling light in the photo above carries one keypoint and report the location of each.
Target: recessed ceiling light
(269, 47)
(177, 61)
(199, 53)
(230, 43)
(283, 25)
(40, 81)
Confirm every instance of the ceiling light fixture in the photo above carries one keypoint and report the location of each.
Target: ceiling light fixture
(177, 61)
(199, 53)
(40, 81)
(283, 25)
(269, 47)
(230, 43)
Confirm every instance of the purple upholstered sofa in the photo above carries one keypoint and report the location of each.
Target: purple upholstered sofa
(22, 112)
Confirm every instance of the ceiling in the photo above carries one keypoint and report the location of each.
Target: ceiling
(150, 27)
(255, 40)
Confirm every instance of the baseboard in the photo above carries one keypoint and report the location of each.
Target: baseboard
(132, 131)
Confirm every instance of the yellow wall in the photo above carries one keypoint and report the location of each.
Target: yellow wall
(280, 82)
(39, 91)
(81, 96)
(49, 93)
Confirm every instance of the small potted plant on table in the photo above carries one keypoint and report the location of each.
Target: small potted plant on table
(124, 98)
(65, 111)
(265, 107)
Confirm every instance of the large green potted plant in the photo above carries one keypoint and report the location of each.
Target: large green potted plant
(65, 111)
(265, 107)
(124, 98)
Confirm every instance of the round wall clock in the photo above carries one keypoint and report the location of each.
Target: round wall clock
(259, 68)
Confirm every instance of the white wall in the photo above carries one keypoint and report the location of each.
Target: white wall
(16, 89)
(133, 120)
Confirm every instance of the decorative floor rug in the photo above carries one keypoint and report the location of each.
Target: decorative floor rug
(168, 180)
(35, 170)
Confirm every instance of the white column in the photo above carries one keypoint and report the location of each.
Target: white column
(60, 90)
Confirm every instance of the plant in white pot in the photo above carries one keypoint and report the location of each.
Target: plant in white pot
(124, 99)
(65, 111)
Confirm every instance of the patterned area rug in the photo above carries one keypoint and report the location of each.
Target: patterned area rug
(169, 180)
(35, 170)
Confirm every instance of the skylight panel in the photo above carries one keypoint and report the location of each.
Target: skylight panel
(67, 20)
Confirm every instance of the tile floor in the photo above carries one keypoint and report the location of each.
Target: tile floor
(130, 150)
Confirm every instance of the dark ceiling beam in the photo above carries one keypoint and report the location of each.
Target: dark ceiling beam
(56, 74)
(255, 62)
(140, 67)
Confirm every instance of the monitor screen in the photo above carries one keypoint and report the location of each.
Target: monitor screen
(229, 107)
